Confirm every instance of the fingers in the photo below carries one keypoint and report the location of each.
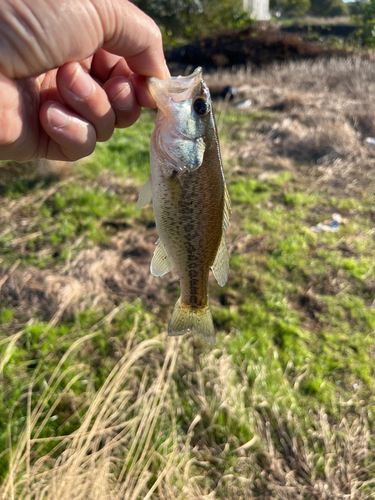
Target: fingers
(37, 36)
(68, 134)
(124, 104)
(87, 111)
(142, 92)
(107, 66)
(74, 136)
(18, 104)
(10, 119)
(87, 98)
(112, 104)
(130, 33)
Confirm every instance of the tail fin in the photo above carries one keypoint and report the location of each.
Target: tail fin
(199, 321)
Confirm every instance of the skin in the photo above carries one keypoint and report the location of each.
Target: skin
(70, 72)
(189, 217)
(194, 240)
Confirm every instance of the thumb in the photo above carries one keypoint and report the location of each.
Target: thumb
(136, 37)
(18, 99)
(39, 35)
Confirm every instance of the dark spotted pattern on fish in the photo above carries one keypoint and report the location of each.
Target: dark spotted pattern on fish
(188, 192)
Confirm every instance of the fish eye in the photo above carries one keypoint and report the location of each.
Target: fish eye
(200, 106)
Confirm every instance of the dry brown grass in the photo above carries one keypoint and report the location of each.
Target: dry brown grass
(288, 456)
(331, 462)
(119, 445)
(95, 277)
(128, 445)
(327, 20)
(313, 119)
(322, 113)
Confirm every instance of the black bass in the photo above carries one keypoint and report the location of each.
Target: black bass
(190, 198)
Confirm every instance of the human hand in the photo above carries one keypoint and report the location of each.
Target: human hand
(70, 72)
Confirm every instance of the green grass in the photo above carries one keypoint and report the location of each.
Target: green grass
(295, 321)
(79, 208)
(296, 260)
(126, 154)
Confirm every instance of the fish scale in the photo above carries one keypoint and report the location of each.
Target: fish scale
(190, 199)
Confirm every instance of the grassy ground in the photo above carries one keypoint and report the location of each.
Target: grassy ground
(97, 402)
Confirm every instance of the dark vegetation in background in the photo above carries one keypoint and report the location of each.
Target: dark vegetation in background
(338, 30)
(328, 8)
(254, 45)
(366, 33)
(318, 8)
(186, 20)
(182, 22)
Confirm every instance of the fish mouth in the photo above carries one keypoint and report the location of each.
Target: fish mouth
(177, 88)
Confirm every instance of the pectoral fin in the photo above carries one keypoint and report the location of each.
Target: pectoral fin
(145, 195)
(220, 267)
(168, 169)
(161, 262)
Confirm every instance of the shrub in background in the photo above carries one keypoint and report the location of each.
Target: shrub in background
(185, 20)
(366, 33)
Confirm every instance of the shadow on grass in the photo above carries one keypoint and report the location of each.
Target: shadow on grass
(21, 178)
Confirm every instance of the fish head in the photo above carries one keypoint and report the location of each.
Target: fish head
(185, 120)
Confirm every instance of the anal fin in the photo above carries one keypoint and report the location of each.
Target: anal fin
(161, 262)
(145, 194)
(220, 267)
(227, 208)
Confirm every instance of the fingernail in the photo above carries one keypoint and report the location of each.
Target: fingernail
(56, 117)
(82, 84)
(124, 98)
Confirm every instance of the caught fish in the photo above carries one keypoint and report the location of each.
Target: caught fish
(190, 198)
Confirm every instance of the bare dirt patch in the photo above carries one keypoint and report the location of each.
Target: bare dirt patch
(97, 276)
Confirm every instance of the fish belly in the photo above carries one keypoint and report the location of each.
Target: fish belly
(188, 213)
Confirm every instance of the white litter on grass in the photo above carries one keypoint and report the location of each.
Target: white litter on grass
(370, 140)
(244, 104)
(331, 225)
